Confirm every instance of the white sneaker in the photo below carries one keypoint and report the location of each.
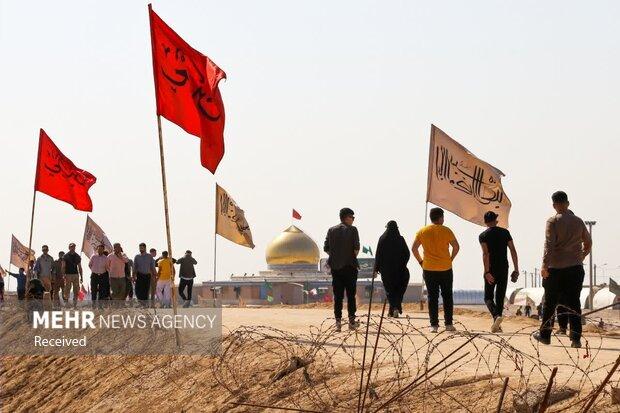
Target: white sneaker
(433, 329)
(497, 324)
(450, 327)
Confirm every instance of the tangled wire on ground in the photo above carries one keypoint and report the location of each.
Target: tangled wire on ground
(320, 371)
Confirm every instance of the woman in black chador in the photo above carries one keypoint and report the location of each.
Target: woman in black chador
(391, 260)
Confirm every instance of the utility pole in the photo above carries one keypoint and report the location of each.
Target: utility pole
(595, 275)
(525, 278)
(590, 224)
(536, 276)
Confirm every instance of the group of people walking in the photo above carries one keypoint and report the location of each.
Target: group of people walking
(567, 244)
(114, 276)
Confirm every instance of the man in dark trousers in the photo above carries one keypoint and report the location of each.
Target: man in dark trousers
(21, 283)
(187, 273)
(567, 243)
(495, 241)
(436, 240)
(342, 244)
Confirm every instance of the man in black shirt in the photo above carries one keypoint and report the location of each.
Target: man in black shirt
(73, 274)
(494, 242)
(187, 273)
(342, 244)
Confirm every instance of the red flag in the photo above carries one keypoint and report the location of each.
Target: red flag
(59, 178)
(296, 214)
(186, 89)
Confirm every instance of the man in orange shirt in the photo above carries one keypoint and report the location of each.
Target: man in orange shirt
(436, 240)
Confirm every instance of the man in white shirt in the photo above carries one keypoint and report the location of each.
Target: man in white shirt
(99, 279)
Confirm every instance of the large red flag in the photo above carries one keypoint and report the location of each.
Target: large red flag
(186, 88)
(59, 178)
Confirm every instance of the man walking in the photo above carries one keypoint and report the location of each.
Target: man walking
(115, 266)
(144, 270)
(567, 243)
(73, 274)
(165, 274)
(187, 273)
(43, 267)
(436, 240)
(58, 279)
(99, 278)
(342, 244)
(494, 242)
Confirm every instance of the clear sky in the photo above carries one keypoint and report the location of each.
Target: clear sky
(328, 104)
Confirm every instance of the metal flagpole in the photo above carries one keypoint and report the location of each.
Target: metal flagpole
(167, 216)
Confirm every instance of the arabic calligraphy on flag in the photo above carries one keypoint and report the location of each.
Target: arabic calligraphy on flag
(19, 253)
(58, 177)
(463, 184)
(230, 220)
(186, 90)
(93, 237)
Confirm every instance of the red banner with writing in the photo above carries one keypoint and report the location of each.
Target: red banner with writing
(186, 89)
(59, 178)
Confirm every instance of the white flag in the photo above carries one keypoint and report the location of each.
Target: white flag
(19, 254)
(93, 237)
(230, 220)
(463, 184)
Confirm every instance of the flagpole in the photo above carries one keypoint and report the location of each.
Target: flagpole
(428, 183)
(8, 283)
(34, 202)
(167, 217)
(215, 240)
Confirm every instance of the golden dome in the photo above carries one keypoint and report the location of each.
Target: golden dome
(292, 247)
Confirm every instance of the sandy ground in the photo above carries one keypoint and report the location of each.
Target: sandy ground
(261, 342)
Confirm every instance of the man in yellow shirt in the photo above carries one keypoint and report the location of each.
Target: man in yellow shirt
(165, 271)
(436, 240)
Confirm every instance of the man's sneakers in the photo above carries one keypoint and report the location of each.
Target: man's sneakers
(497, 324)
(575, 343)
(395, 313)
(433, 329)
(187, 304)
(561, 331)
(338, 326)
(450, 327)
(542, 340)
(353, 324)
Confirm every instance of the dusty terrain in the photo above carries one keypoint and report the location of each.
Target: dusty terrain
(291, 357)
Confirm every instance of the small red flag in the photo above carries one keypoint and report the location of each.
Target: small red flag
(296, 214)
(59, 178)
(186, 89)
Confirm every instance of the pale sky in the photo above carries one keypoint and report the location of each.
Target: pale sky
(328, 104)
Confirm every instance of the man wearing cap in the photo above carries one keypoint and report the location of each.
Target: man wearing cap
(73, 274)
(187, 273)
(342, 244)
(494, 242)
(567, 244)
(436, 240)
